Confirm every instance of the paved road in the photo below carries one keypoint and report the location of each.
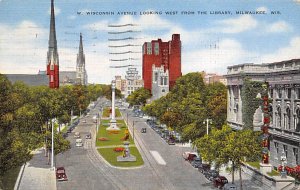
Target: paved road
(164, 166)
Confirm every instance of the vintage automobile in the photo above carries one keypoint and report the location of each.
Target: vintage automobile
(78, 143)
(203, 167)
(196, 163)
(88, 136)
(143, 130)
(77, 135)
(189, 155)
(61, 174)
(220, 181)
(230, 186)
(211, 174)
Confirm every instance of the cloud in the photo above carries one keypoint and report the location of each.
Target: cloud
(291, 51)
(24, 48)
(277, 27)
(237, 25)
(214, 58)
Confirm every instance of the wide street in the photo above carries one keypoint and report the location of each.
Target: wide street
(87, 170)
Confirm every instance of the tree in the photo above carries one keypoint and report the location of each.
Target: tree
(139, 97)
(222, 146)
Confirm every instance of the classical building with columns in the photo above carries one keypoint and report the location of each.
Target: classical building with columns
(283, 79)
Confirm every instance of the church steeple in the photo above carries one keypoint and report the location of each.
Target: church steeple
(81, 74)
(52, 55)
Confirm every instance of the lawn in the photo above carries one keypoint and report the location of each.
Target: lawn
(254, 164)
(111, 156)
(8, 180)
(106, 112)
(273, 173)
(113, 139)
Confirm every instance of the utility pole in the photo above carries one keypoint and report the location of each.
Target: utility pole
(207, 121)
(52, 146)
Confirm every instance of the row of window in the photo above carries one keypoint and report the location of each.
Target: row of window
(286, 152)
(285, 93)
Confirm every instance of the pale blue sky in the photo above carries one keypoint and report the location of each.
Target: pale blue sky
(210, 42)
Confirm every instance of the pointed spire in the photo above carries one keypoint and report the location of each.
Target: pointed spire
(80, 45)
(52, 48)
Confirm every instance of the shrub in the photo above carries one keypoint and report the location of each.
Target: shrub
(119, 149)
(103, 139)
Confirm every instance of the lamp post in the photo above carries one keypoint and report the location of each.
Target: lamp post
(52, 145)
(207, 121)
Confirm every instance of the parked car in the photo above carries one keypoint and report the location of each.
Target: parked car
(78, 143)
(77, 135)
(192, 156)
(196, 162)
(88, 136)
(69, 130)
(220, 181)
(211, 174)
(143, 130)
(61, 174)
(230, 186)
(171, 141)
(84, 121)
(204, 167)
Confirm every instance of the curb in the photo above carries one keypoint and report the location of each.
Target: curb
(19, 179)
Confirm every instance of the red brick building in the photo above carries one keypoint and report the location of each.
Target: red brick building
(166, 54)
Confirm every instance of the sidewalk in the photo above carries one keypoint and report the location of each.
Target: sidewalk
(37, 174)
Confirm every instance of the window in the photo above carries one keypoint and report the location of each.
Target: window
(279, 93)
(156, 48)
(285, 150)
(297, 93)
(155, 77)
(271, 93)
(288, 93)
(149, 48)
(295, 153)
(276, 147)
(161, 80)
(287, 120)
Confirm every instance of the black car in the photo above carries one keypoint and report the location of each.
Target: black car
(143, 130)
(211, 174)
(69, 130)
(203, 168)
(197, 162)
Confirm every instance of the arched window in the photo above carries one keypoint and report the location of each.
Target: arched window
(288, 118)
(297, 123)
(278, 121)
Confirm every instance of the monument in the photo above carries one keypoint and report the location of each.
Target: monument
(126, 157)
(113, 123)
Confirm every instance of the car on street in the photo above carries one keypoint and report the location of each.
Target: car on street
(78, 143)
(143, 130)
(77, 135)
(192, 156)
(196, 162)
(230, 186)
(61, 174)
(220, 181)
(84, 121)
(211, 174)
(171, 141)
(203, 168)
(65, 135)
(88, 136)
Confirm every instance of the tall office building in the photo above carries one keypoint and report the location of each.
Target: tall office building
(162, 54)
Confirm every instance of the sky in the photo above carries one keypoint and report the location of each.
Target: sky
(214, 33)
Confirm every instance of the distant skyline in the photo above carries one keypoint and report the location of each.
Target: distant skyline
(222, 37)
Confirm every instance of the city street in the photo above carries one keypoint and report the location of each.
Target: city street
(164, 166)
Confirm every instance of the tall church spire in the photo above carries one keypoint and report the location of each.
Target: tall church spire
(52, 55)
(81, 74)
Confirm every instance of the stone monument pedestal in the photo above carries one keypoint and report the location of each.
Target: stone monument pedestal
(126, 157)
(265, 168)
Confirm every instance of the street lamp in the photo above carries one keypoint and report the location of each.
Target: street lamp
(207, 121)
(52, 144)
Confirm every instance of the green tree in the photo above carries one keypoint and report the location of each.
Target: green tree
(139, 97)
